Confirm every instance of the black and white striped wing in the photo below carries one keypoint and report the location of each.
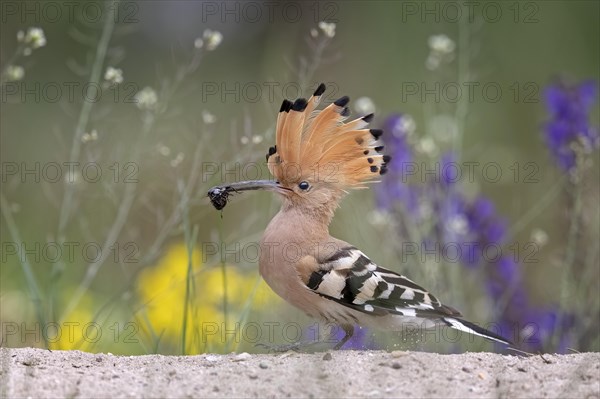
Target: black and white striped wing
(349, 278)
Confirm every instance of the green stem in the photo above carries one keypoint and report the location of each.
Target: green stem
(460, 116)
(566, 283)
(538, 208)
(69, 189)
(190, 241)
(116, 228)
(10, 62)
(84, 116)
(225, 291)
(464, 75)
(32, 285)
(310, 70)
(248, 305)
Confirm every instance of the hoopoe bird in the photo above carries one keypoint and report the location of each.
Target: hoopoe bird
(316, 158)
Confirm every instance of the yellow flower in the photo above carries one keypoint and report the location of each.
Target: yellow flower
(162, 292)
(76, 331)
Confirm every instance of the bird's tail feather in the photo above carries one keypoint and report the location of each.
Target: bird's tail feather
(471, 328)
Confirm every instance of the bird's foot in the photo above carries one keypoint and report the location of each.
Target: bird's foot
(348, 333)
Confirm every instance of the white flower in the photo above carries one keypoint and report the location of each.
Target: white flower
(427, 146)
(441, 44)
(177, 160)
(408, 124)
(433, 62)
(256, 139)
(364, 106)
(113, 75)
(91, 136)
(405, 125)
(35, 37)
(212, 38)
(146, 98)
(539, 237)
(198, 43)
(583, 144)
(208, 118)
(458, 224)
(163, 150)
(328, 28)
(14, 73)
(444, 128)
(441, 50)
(244, 140)
(378, 218)
(314, 33)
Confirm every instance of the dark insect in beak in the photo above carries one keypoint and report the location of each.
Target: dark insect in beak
(218, 197)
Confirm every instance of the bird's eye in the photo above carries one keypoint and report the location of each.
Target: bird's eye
(303, 185)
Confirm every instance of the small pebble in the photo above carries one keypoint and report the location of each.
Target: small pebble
(263, 366)
(99, 358)
(396, 365)
(466, 369)
(327, 356)
(242, 356)
(399, 353)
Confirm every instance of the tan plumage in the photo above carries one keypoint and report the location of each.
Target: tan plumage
(317, 157)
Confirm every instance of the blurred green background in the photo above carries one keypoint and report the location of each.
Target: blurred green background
(214, 115)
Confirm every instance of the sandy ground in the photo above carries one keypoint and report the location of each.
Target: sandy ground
(39, 373)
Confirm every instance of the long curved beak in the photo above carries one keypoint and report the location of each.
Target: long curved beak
(219, 194)
(248, 185)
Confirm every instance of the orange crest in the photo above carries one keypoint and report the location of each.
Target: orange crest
(318, 145)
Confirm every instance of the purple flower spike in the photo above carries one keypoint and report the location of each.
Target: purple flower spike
(449, 169)
(569, 108)
(397, 142)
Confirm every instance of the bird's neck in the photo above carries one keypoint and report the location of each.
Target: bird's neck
(299, 224)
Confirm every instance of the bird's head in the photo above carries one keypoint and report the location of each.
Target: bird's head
(317, 156)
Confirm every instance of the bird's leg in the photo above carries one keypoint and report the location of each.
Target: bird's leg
(300, 345)
(349, 330)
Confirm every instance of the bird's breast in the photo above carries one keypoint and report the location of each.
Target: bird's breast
(277, 268)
